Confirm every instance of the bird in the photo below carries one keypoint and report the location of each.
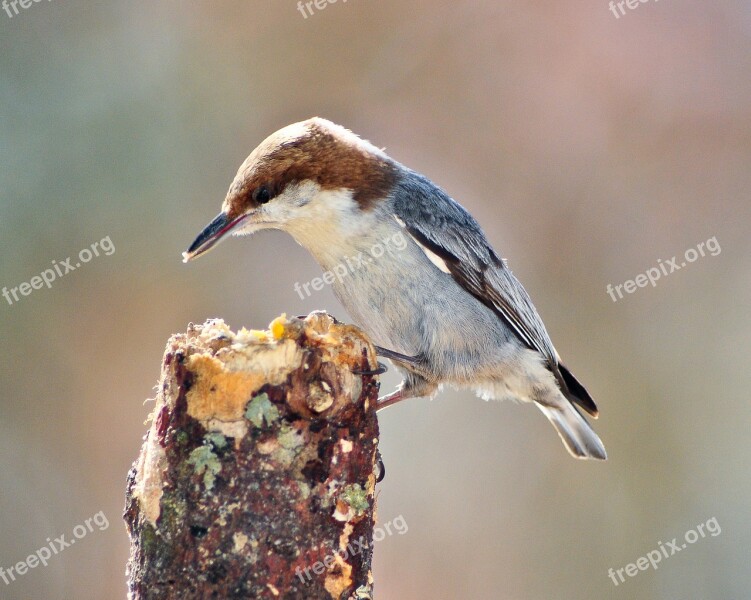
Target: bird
(436, 298)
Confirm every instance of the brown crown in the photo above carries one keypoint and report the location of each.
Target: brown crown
(315, 150)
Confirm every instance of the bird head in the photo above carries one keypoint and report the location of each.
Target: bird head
(312, 179)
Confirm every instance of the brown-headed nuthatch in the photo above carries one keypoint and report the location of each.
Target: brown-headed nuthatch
(443, 306)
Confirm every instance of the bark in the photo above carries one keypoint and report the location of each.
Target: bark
(256, 478)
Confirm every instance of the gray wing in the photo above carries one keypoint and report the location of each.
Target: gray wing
(445, 228)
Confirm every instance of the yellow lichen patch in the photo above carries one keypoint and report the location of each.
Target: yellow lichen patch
(340, 579)
(277, 326)
(219, 393)
(225, 382)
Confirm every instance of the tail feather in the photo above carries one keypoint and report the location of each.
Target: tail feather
(576, 392)
(578, 437)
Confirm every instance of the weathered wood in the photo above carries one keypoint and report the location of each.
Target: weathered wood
(256, 478)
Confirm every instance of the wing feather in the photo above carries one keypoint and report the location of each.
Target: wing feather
(444, 227)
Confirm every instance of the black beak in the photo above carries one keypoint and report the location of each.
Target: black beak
(211, 235)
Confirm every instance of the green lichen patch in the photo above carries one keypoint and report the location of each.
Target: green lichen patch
(304, 490)
(261, 409)
(205, 461)
(355, 497)
(216, 439)
(149, 539)
(173, 513)
(182, 437)
(290, 438)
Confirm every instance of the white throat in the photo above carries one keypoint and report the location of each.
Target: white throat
(332, 226)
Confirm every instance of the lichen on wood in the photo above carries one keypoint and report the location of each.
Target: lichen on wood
(257, 473)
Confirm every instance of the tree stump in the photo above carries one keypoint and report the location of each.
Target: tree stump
(257, 476)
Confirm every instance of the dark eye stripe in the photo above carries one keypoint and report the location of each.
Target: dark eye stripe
(262, 195)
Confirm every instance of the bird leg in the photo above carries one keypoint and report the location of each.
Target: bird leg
(413, 386)
(413, 361)
(389, 399)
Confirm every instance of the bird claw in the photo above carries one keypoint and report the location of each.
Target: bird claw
(380, 468)
(379, 371)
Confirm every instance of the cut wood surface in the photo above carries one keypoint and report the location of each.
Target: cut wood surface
(257, 477)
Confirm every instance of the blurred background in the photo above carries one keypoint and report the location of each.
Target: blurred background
(588, 146)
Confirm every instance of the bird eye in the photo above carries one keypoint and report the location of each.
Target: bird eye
(262, 195)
